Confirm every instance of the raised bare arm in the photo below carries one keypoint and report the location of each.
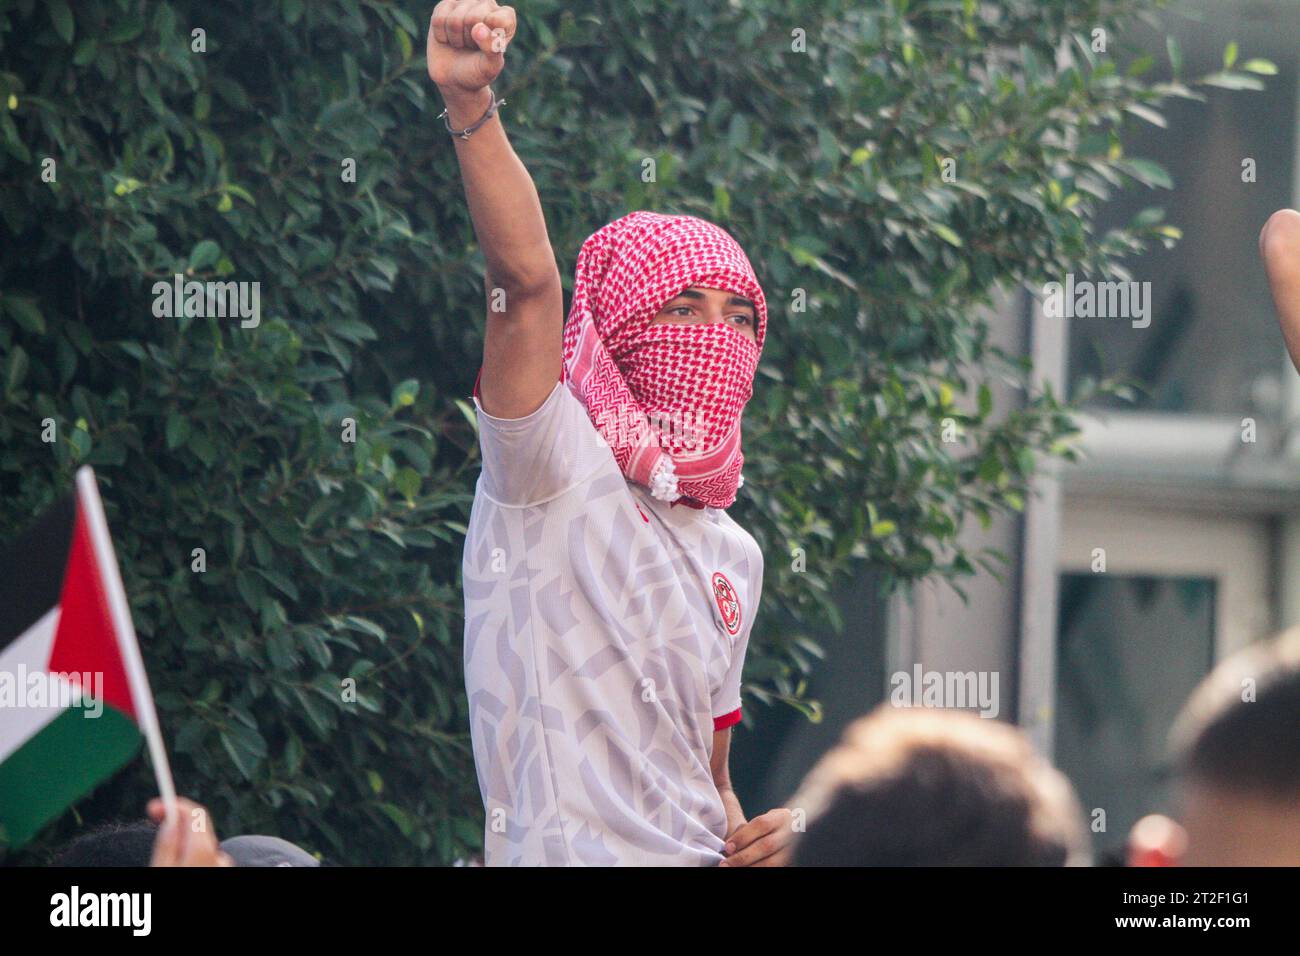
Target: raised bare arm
(525, 304)
(1279, 244)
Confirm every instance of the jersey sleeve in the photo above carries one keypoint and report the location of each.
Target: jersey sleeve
(726, 699)
(528, 461)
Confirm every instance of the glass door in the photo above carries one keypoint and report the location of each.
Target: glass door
(1148, 602)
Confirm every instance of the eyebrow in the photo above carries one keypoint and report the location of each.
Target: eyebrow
(734, 300)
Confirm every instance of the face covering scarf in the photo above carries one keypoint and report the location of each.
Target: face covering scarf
(667, 398)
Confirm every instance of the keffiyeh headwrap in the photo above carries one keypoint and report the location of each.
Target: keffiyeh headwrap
(667, 398)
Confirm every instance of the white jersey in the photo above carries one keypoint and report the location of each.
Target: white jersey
(605, 632)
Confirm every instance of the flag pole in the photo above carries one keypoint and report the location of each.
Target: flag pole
(124, 630)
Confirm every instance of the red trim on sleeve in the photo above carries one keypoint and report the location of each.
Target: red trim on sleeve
(726, 720)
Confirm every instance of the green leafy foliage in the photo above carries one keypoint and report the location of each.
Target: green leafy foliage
(142, 140)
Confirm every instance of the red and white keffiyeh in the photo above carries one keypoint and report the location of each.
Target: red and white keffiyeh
(667, 398)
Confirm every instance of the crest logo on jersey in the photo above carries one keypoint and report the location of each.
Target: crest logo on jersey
(728, 602)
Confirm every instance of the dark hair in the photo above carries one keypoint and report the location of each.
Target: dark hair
(937, 788)
(1240, 730)
(111, 844)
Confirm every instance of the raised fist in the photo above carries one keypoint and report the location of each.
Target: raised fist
(467, 43)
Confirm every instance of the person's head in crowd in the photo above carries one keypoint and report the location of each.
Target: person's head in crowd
(918, 787)
(188, 840)
(110, 844)
(1235, 749)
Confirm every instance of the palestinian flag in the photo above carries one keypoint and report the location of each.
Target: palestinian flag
(74, 699)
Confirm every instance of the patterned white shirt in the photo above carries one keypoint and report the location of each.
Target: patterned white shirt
(605, 633)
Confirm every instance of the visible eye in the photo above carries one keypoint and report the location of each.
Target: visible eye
(744, 318)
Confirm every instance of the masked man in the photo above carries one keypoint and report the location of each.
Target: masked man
(608, 595)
